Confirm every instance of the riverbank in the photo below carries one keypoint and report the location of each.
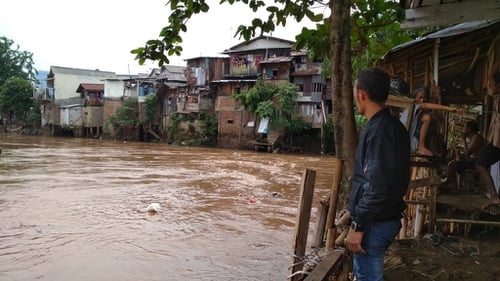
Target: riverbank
(464, 259)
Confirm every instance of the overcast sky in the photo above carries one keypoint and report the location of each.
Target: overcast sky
(99, 34)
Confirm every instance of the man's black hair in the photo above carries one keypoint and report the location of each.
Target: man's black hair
(375, 82)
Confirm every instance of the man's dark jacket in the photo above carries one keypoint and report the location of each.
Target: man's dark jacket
(381, 171)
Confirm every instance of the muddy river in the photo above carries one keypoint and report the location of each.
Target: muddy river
(76, 209)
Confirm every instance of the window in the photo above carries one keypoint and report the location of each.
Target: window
(317, 87)
(275, 74)
(307, 109)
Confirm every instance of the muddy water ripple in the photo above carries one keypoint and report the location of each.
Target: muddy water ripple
(76, 209)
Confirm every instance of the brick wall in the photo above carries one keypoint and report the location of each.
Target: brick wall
(234, 131)
(110, 105)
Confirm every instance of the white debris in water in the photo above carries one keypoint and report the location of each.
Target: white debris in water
(154, 207)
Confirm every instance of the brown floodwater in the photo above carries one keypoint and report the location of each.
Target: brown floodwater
(76, 209)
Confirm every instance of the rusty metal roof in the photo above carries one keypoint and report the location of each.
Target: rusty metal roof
(90, 87)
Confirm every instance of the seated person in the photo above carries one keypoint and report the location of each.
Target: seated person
(422, 121)
(474, 144)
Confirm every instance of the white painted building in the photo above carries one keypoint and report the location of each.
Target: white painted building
(64, 81)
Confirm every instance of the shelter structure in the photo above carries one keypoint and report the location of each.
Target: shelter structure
(455, 64)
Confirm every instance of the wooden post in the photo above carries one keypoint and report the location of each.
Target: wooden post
(302, 223)
(320, 224)
(340, 238)
(432, 209)
(332, 209)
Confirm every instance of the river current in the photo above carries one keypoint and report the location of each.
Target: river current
(76, 209)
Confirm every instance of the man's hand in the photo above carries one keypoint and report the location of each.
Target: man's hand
(353, 242)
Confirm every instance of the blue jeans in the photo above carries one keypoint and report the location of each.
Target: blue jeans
(377, 237)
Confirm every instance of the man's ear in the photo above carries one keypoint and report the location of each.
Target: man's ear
(363, 95)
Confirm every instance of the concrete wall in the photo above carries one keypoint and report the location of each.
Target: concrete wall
(65, 85)
(93, 116)
(113, 88)
(71, 116)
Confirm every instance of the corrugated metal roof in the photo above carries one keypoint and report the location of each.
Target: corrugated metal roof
(221, 56)
(90, 87)
(173, 72)
(276, 60)
(310, 70)
(174, 85)
(169, 72)
(83, 72)
(244, 46)
(424, 13)
(234, 81)
(296, 53)
(447, 32)
(69, 105)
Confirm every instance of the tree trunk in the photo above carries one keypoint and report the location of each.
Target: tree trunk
(343, 107)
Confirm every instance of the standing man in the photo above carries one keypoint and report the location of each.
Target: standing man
(381, 177)
(491, 153)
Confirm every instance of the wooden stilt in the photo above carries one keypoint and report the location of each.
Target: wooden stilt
(321, 224)
(332, 209)
(302, 224)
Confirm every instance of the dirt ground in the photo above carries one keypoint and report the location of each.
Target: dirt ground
(475, 258)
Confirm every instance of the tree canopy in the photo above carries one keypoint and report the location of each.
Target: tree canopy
(170, 41)
(276, 102)
(375, 28)
(125, 116)
(14, 62)
(16, 98)
(16, 77)
(359, 29)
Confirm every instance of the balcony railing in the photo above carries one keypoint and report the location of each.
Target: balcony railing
(314, 97)
(43, 94)
(192, 107)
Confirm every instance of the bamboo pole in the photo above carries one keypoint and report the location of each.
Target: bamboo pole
(406, 228)
(432, 209)
(332, 209)
(497, 223)
(340, 239)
